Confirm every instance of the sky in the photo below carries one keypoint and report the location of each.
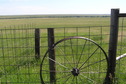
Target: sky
(32, 7)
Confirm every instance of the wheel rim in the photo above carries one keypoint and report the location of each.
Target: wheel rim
(77, 60)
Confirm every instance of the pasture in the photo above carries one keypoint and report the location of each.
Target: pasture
(48, 22)
(17, 53)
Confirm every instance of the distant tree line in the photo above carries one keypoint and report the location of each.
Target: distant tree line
(48, 16)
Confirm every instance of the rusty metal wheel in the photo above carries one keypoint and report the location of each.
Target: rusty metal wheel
(77, 60)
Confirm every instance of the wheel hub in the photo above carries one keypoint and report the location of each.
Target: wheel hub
(75, 71)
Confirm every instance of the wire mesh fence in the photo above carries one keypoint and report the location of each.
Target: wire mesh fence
(22, 49)
(18, 63)
(17, 56)
(121, 50)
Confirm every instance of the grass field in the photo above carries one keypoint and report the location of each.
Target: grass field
(56, 22)
(17, 54)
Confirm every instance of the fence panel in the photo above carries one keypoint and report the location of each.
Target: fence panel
(121, 50)
(17, 50)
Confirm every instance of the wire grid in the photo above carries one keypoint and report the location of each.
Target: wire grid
(121, 49)
(17, 50)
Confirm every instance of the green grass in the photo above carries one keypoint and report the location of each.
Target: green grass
(56, 22)
(17, 55)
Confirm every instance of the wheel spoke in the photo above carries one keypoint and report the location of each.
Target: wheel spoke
(88, 78)
(64, 76)
(56, 71)
(72, 82)
(62, 52)
(58, 63)
(72, 52)
(81, 53)
(67, 79)
(92, 64)
(76, 80)
(89, 58)
(92, 72)
(80, 79)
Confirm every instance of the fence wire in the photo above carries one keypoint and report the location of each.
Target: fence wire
(121, 49)
(17, 50)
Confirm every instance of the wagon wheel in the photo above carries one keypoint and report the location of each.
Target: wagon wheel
(78, 60)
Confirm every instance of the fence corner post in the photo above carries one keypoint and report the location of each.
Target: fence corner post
(113, 45)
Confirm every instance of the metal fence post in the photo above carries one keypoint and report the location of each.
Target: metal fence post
(37, 43)
(51, 55)
(113, 44)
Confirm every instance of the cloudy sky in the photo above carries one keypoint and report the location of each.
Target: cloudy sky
(25, 7)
